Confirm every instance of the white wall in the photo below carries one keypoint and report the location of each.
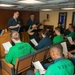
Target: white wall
(54, 17)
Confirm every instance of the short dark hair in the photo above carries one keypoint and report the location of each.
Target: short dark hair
(58, 28)
(59, 23)
(16, 35)
(46, 32)
(59, 48)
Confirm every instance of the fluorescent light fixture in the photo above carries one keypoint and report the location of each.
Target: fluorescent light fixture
(30, 1)
(6, 5)
(68, 8)
(46, 9)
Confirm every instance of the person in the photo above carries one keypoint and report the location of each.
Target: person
(14, 23)
(72, 33)
(45, 41)
(71, 54)
(61, 28)
(67, 31)
(18, 50)
(33, 32)
(32, 21)
(61, 65)
(59, 37)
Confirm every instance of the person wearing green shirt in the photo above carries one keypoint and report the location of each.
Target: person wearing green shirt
(18, 50)
(61, 65)
(72, 33)
(59, 37)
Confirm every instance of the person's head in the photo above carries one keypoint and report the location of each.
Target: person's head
(32, 16)
(56, 51)
(70, 25)
(45, 33)
(59, 24)
(57, 30)
(16, 14)
(71, 29)
(15, 37)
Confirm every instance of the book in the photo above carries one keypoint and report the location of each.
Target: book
(39, 67)
(7, 45)
(70, 40)
(34, 42)
(65, 50)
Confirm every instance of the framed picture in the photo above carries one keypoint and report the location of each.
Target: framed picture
(63, 18)
(73, 19)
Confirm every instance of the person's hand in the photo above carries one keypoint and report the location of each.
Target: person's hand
(6, 52)
(35, 70)
(70, 55)
(18, 25)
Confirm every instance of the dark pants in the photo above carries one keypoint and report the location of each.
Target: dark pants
(30, 72)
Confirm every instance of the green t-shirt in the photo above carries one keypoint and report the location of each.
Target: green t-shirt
(18, 50)
(58, 39)
(72, 34)
(62, 67)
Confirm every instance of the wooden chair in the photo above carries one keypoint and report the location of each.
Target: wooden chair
(7, 69)
(22, 64)
(40, 54)
(25, 36)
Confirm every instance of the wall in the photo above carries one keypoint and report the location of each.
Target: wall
(5, 15)
(54, 17)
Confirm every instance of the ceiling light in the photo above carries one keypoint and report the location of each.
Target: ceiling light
(30, 1)
(46, 9)
(6, 5)
(68, 8)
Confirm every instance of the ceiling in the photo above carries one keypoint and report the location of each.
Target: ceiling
(44, 4)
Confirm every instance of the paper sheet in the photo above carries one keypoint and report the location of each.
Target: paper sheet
(38, 66)
(34, 42)
(64, 45)
(7, 45)
(70, 40)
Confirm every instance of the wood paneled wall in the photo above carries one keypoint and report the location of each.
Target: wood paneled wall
(5, 15)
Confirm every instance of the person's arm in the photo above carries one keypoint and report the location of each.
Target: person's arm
(49, 71)
(9, 56)
(11, 27)
(31, 48)
(40, 45)
(73, 51)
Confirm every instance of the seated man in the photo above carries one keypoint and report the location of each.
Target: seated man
(61, 66)
(45, 41)
(67, 31)
(18, 50)
(72, 33)
(59, 37)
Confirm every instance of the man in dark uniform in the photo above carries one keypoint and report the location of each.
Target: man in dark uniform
(14, 23)
(32, 21)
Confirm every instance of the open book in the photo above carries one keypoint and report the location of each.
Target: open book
(70, 40)
(64, 45)
(34, 42)
(7, 45)
(38, 66)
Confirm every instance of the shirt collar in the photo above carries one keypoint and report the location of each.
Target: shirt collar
(58, 59)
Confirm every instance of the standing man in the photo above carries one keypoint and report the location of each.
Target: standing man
(32, 21)
(14, 23)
